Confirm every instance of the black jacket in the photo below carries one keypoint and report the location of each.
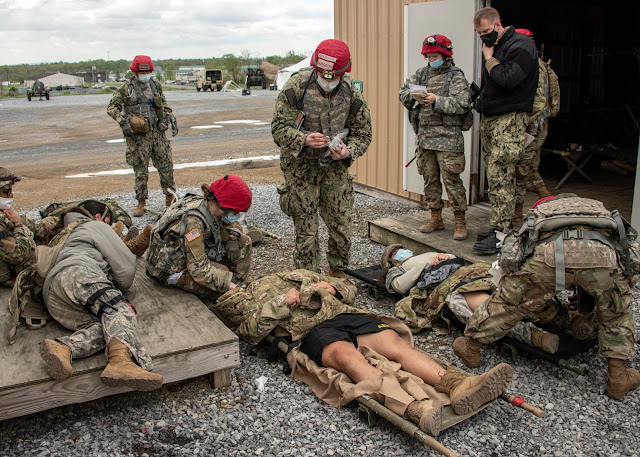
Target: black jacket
(512, 84)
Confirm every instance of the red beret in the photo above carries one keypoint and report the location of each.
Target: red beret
(232, 193)
(526, 32)
(544, 200)
(437, 43)
(332, 57)
(141, 63)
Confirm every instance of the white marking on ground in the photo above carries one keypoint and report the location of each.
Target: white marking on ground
(242, 121)
(210, 163)
(206, 127)
(119, 140)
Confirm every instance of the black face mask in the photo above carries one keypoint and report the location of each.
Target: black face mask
(490, 38)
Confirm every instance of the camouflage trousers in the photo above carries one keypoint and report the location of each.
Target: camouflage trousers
(502, 140)
(155, 146)
(308, 190)
(535, 180)
(68, 301)
(434, 164)
(528, 290)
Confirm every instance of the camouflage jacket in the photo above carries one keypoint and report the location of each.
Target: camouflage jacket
(344, 107)
(422, 308)
(546, 102)
(256, 311)
(439, 127)
(126, 102)
(17, 246)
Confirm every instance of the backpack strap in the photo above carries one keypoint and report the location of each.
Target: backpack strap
(622, 234)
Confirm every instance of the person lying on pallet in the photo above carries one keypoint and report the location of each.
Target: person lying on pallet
(82, 272)
(566, 240)
(345, 352)
(441, 289)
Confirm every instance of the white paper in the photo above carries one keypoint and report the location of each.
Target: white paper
(260, 383)
(417, 88)
(497, 272)
(173, 279)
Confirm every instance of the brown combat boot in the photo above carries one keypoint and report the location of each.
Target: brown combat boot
(58, 359)
(336, 274)
(518, 218)
(621, 379)
(428, 417)
(468, 350)
(140, 243)
(122, 372)
(132, 233)
(169, 199)
(460, 232)
(468, 393)
(542, 191)
(139, 211)
(435, 223)
(546, 341)
(583, 325)
(118, 227)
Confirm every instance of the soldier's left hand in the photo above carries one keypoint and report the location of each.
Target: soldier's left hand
(430, 99)
(12, 216)
(292, 297)
(326, 286)
(340, 152)
(233, 250)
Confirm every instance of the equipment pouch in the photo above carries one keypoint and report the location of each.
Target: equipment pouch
(139, 124)
(582, 254)
(299, 120)
(414, 118)
(512, 252)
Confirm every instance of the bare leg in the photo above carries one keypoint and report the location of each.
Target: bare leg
(475, 299)
(389, 344)
(344, 357)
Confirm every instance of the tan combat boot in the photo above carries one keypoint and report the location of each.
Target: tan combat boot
(132, 233)
(140, 243)
(169, 199)
(546, 341)
(122, 372)
(435, 223)
(542, 191)
(518, 218)
(468, 393)
(583, 325)
(621, 379)
(58, 359)
(460, 232)
(468, 350)
(139, 211)
(336, 273)
(428, 417)
(118, 227)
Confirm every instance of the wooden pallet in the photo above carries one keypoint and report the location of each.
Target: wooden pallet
(183, 337)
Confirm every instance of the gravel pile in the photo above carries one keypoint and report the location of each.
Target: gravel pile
(189, 418)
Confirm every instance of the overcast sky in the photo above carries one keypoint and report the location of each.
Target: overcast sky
(33, 31)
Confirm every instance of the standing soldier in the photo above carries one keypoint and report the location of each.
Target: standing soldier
(322, 124)
(139, 107)
(440, 146)
(198, 243)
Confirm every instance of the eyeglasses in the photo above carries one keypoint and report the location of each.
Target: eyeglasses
(432, 41)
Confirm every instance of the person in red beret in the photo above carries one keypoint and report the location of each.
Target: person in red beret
(322, 125)
(439, 114)
(198, 245)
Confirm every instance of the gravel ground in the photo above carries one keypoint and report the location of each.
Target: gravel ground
(189, 418)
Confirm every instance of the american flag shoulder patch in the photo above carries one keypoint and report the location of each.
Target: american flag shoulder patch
(192, 235)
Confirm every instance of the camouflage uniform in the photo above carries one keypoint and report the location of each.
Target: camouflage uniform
(17, 246)
(440, 145)
(533, 285)
(545, 104)
(311, 186)
(256, 311)
(423, 308)
(80, 291)
(198, 256)
(133, 98)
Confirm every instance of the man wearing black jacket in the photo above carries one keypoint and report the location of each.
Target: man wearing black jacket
(509, 83)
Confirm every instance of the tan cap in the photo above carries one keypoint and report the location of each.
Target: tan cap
(387, 254)
(7, 179)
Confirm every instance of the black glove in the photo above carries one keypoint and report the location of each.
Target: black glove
(233, 250)
(174, 126)
(126, 127)
(163, 125)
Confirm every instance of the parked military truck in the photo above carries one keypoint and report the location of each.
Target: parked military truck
(212, 80)
(255, 77)
(38, 89)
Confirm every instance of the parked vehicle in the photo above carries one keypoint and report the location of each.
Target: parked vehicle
(38, 89)
(255, 77)
(212, 80)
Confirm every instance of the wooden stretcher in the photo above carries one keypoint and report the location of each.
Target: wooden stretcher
(369, 410)
(183, 337)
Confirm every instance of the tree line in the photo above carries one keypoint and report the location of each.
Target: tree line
(232, 65)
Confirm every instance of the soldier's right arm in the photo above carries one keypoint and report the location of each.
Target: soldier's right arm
(16, 243)
(202, 270)
(284, 133)
(117, 103)
(405, 93)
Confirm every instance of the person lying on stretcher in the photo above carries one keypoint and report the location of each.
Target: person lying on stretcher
(346, 352)
(440, 288)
